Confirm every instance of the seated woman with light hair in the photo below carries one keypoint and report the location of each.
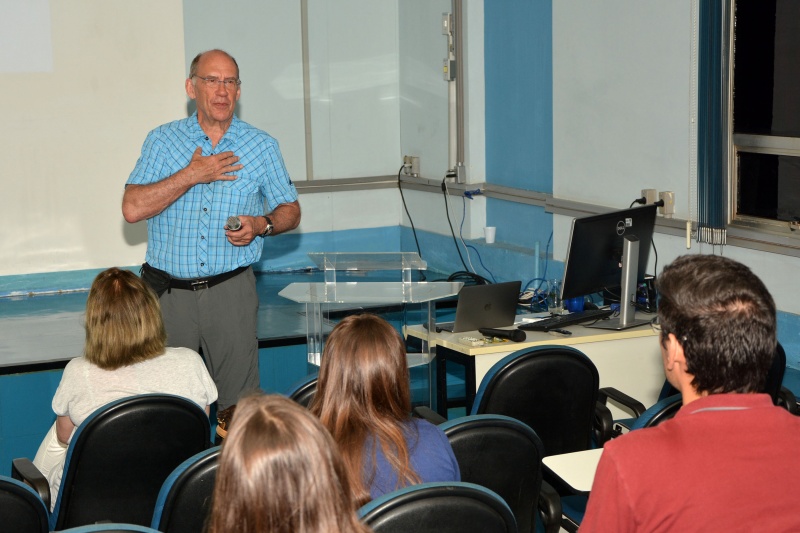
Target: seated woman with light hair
(364, 399)
(281, 472)
(124, 355)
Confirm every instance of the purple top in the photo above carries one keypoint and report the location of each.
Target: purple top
(432, 458)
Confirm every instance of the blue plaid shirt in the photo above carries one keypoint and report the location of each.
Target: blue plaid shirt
(187, 239)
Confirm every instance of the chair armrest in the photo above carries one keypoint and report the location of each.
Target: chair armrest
(426, 413)
(549, 508)
(603, 426)
(788, 401)
(24, 470)
(629, 403)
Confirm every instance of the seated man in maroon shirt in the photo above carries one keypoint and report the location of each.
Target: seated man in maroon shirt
(726, 460)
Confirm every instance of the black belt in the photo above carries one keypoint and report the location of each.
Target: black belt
(204, 283)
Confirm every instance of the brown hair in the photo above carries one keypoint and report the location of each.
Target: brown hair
(280, 472)
(123, 321)
(724, 318)
(363, 396)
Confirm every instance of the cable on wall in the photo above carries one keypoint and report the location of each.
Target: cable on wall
(450, 223)
(410, 220)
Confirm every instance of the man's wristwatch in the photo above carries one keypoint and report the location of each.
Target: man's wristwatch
(269, 228)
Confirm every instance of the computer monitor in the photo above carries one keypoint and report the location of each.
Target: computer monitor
(610, 250)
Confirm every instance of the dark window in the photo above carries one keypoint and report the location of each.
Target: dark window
(766, 110)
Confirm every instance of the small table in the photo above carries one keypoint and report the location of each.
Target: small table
(576, 469)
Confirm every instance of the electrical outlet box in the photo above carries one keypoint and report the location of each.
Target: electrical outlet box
(449, 69)
(461, 173)
(668, 209)
(650, 196)
(447, 23)
(415, 166)
(411, 165)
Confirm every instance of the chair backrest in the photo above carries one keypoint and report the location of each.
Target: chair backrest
(659, 412)
(21, 509)
(184, 503)
(439, 508)
(503, 455)
(552, 389)
(110, 528)
(303, 391)
(120, 456)
(775, 374)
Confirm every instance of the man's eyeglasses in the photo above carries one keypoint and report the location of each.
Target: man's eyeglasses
(230, 84)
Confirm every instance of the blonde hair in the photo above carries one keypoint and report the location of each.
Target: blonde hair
(364, 399)
(123, 321)
(280, 472)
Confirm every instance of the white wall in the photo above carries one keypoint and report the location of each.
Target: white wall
(74, 131)
(621, 100)
(622, 107)
(264, 37)
(72, 135)
(354, 68)
(423, 90)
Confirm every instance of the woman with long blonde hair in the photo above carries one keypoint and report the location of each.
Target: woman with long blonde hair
(280, 472)
(363, 397)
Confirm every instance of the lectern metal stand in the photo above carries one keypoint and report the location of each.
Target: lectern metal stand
(321, 298)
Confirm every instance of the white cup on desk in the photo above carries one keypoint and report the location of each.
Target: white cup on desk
(489, 232)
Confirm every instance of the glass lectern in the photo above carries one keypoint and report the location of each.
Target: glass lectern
(322, 298)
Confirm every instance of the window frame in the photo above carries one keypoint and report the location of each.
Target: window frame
(751, 143)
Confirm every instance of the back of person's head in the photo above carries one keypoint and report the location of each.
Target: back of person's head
(363, 391)
(724, 318)
(123, 321)
(364, 367)
(280, 472)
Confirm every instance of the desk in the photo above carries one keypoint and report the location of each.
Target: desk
(576, 469)
(629, 360)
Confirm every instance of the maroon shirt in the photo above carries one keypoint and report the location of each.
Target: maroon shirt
(726, 462)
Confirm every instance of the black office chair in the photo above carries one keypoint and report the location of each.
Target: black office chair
(118, 459)
(184, 502)
(303, 391)
(552, 389)
(659, 412)
(505, 456)
(456, 507)
(21, 508)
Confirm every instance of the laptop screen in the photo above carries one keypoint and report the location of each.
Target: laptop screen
(485, 306)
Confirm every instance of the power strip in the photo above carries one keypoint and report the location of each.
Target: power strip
(472, 341)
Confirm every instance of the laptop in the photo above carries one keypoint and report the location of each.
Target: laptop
(484, 306)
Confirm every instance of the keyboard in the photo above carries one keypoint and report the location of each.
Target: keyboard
(560, 321)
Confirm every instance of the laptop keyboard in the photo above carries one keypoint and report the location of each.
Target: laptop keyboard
(560, 321)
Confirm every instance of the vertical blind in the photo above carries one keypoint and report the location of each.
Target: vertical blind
(712, 117)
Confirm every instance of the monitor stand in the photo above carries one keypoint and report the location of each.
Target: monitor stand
(627, 311)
